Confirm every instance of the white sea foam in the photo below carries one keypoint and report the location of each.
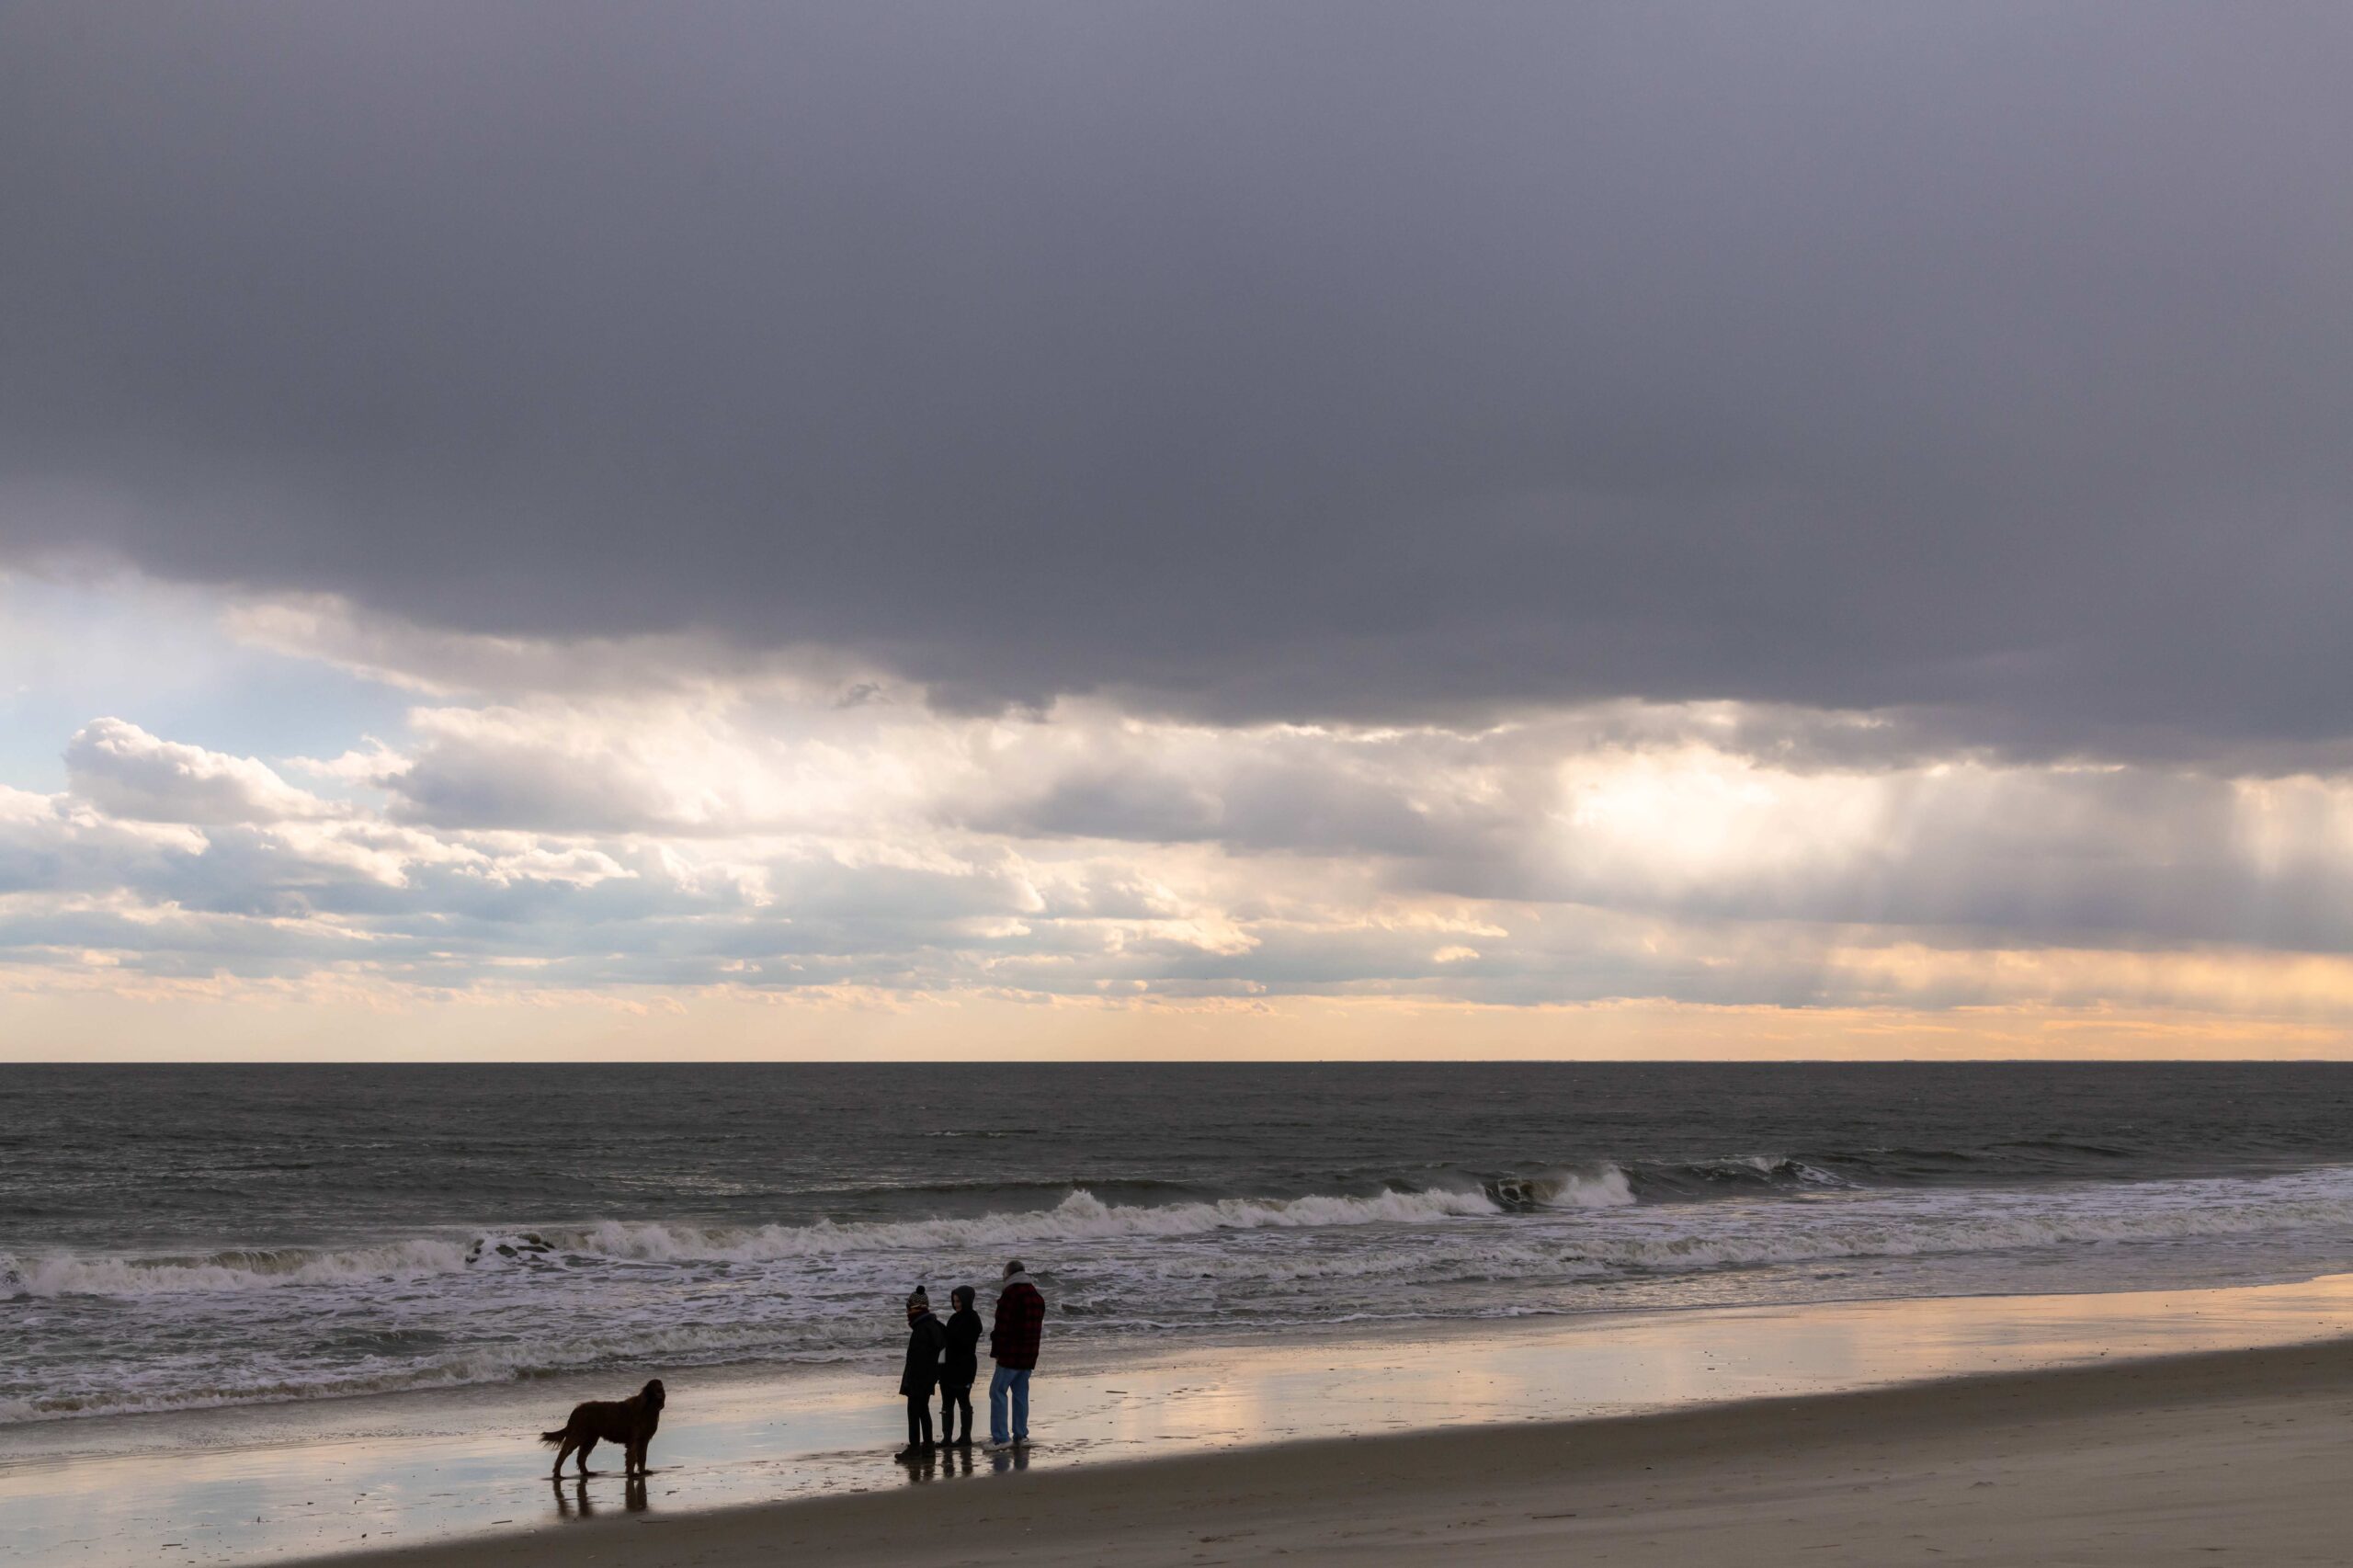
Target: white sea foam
(1079, 1217)
(1688, 1235)
(1909, 1226)
(1605, 1186)
(1780, 1167)
(116, 1334)
(68, 1275)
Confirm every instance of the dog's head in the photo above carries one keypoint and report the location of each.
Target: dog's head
(652, 1395)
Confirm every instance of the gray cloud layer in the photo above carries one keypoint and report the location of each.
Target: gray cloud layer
(1293, 361)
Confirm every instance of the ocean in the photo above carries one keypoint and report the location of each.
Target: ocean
(184, 1237)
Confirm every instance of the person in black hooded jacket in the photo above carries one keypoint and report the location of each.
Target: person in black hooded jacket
(926, 1339)
(958, 1367)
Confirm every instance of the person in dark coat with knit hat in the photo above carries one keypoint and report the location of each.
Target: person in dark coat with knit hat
(926, 1339)
(1013, 1340)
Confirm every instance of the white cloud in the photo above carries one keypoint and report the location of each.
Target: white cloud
(377, 763)
(128, 773)
(753, 833)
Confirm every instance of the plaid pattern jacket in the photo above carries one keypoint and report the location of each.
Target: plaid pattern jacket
(1021, 1321)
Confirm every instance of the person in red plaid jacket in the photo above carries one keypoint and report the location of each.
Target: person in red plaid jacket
(1013, 1340)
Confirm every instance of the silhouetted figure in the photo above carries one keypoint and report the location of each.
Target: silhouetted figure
(926, 1339)
(628, 1423)
(960, 1366)
(1013, 1340)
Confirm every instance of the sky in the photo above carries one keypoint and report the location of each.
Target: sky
(1140, 530)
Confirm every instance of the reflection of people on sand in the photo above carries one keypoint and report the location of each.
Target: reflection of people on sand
(922, 1467)
(940, 1461)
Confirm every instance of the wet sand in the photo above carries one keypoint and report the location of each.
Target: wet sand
(459, 1473)
(2233, 1457)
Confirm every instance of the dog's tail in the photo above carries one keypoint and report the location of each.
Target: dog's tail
(553, 1439)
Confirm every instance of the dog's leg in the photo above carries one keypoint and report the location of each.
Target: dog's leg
(560, 1454)
(585, 1445)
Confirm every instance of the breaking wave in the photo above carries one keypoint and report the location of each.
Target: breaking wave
(1599, 1187)
(1682, 1237)
(235, 1269)
(2004, 1228)
(120, 1333)
(1079, 1217)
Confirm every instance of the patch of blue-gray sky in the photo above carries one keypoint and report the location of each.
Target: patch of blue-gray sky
(74, 648)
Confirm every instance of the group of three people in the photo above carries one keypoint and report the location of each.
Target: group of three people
(947, 1356)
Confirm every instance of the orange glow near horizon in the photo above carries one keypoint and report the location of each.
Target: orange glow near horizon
(723, 1026)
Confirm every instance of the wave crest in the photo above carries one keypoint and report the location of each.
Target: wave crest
(63, 1274)
(1079, 1217)
(1595, 1186)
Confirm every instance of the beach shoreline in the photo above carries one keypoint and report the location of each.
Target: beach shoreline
(462, 1475)
(2221, 1455)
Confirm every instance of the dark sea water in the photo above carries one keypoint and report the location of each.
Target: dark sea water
(186, 1236)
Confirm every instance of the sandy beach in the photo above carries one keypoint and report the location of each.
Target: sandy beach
(2230, 1457)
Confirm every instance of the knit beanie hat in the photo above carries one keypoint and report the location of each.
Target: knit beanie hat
(919, 1300)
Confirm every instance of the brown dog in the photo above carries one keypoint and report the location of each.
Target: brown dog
(628, 1422)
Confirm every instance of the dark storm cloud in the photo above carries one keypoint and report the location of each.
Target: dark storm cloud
(1296, 361)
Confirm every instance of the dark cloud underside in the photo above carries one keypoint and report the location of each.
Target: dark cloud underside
(1294, 359)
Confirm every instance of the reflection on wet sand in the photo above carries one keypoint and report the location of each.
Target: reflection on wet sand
(574, 1500)
(249, 1485)
(948, 1461)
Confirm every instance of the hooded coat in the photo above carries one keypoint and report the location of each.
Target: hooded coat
(926, 1339)
(963, 1363)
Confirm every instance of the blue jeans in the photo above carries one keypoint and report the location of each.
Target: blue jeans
(1014, 1381)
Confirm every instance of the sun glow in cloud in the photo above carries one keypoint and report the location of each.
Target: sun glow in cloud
(647, 838)
(1686, 818)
